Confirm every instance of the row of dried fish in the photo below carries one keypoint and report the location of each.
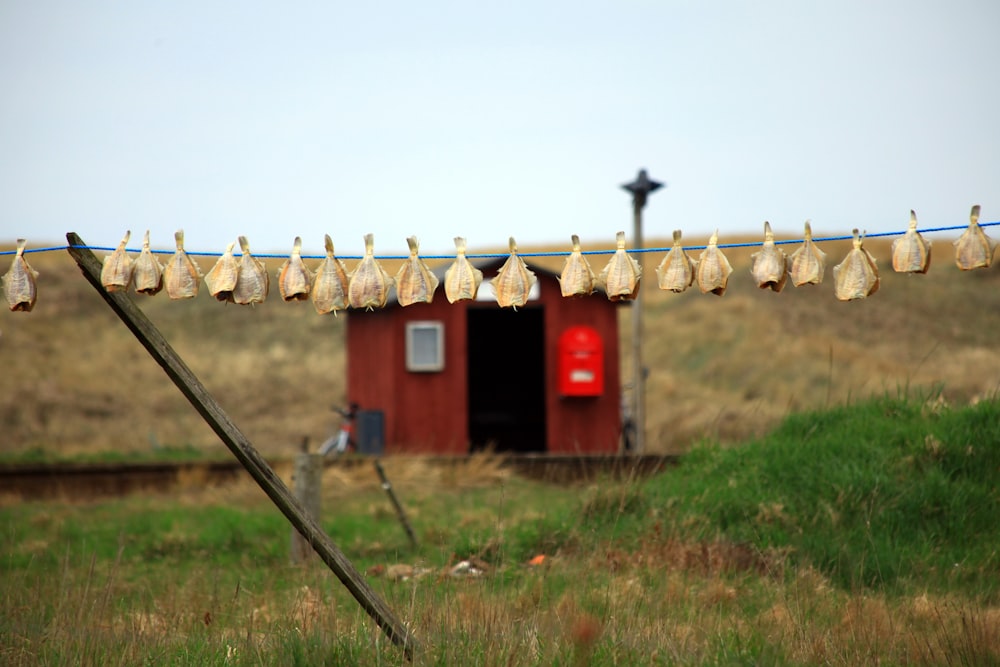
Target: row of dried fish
(331, 287)
(856, 277)
(245, 281)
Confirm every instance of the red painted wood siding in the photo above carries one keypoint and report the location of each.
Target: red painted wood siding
(581, 425)
(424, 412)
(428, 412)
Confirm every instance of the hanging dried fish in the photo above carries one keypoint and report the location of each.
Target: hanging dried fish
(974, 249)
(910, 252)
(577, 278)
(857, 276)
(369, 287)
(714, 268)
(181, 275)
(252, 281)
(329, 289)
(221, 279)
(116, 274)
(294, 278)
(147, 272)
(461, 280)
(414, 281)
(807, 264)
(19, 282)
(676, 271)
(770, 265)
(621, 275)
(513, 281)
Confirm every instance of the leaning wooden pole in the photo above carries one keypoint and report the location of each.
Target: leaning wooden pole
(400, 512)
(242, 449)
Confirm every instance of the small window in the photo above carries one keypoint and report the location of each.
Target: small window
(425, 347)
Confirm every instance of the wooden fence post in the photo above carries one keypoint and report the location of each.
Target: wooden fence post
(240, 446)
(308, 487)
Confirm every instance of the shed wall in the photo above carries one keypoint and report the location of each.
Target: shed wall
(428, 412)
(424, 412)
(582, 424)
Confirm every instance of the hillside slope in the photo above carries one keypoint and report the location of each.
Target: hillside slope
(731, 367)
(76, 381)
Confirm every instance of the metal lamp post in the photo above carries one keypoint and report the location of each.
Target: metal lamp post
(640, 188)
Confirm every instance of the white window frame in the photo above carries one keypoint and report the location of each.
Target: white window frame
(421, 366)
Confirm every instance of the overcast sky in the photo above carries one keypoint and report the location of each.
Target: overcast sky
(487, 120)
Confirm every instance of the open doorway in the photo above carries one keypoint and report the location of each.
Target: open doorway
(506, 383)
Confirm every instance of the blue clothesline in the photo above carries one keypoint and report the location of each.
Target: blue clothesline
(490, 255)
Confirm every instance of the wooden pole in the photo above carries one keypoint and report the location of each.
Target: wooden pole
(640, 188)
(242, 449)
(638, 381)
(308, 485)
(400, 512)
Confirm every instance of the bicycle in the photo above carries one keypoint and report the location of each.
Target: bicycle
(342, 441)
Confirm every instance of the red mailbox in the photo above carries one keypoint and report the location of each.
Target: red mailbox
(581, 362)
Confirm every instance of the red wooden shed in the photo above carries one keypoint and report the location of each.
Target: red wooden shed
(453, 378)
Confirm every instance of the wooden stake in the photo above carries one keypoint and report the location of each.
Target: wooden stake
(308, 486)
(395, 503)
(242, 449)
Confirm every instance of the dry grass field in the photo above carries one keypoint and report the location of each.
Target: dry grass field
(76, 382)
(200, 575)
(863, 534)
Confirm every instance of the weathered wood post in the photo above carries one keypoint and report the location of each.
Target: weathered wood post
(400, 512)
(307, 481)
(640, 188)
(241, 447)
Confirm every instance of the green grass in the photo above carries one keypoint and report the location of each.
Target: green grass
(861, 534)
(157, 453)
(885, 493)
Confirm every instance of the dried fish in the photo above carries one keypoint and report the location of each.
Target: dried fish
(714, 268)
(147, 272)
(911, 253)
(369, 287)
(577, 278)
(807, 264)
(461, 280)
(181, 275)
(221, 279)
(329, 289)
(294, 277)
(974, 249)
(621, 275)
(676, 271)
(857, 276)
(513, 281)
(770, 265)
(252, 281)
(19, 282)
(414, 282)
(116, 274)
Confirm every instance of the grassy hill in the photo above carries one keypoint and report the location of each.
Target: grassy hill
(881, 493)
(864, 534)
(75, 381)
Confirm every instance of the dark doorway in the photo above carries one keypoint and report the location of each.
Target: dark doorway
(506, 355)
